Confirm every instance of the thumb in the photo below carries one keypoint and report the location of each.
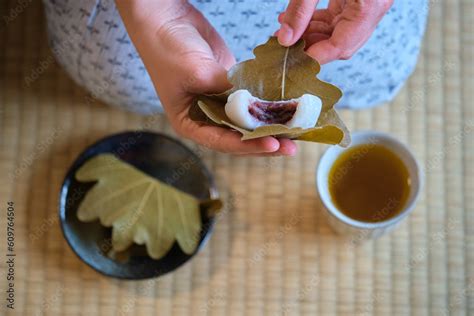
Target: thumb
(206, 59)
(295, 20)
(206, 76)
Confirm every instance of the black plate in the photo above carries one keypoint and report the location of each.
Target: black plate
(158, 155)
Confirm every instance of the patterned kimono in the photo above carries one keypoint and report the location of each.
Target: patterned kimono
(90, 41)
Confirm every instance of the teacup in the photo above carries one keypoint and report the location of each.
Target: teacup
(361, 230)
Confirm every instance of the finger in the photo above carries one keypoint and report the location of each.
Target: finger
(280, 17)
(323, 15)
(319, 27)
(217, 44)
(325, 51)
(200, 70)
(354, 23)
(336, 6)
(205, 77)
(314, 38)
(295, 20)
(347, 37)
(228, 141)
(222, 53)
(287, 147)
(264, 155)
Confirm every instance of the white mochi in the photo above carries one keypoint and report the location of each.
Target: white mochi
(307, 112)
(306, 115)
(237, 110)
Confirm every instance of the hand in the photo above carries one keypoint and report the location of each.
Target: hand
(333, 33)
(185, 56)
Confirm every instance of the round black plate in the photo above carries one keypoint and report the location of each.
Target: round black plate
(158, 155)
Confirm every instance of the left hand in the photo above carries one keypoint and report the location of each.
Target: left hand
(185, 56)
(333, 33)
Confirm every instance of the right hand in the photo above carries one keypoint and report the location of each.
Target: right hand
(333, 33)
(185, 56)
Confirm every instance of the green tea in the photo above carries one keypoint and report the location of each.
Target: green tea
(369, 183)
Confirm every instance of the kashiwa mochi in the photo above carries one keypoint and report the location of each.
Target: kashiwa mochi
(250, 112)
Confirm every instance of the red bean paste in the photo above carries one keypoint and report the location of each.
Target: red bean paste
(273, 112)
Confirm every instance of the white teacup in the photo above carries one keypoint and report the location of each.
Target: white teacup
(360, 230)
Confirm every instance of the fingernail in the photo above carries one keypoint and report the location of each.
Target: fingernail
(285, 35)
(272, 145)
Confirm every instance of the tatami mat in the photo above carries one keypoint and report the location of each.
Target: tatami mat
(272, 251)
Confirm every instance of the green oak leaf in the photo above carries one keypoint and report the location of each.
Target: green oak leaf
(278, 73)
(139, 208)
